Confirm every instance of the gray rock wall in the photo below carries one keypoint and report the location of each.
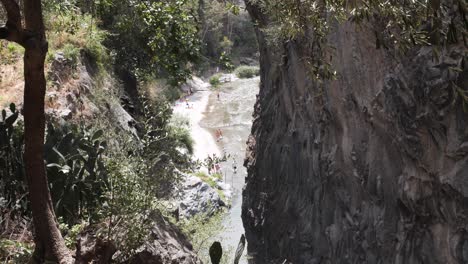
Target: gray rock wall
(369, 168)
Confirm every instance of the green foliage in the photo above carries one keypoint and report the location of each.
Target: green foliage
(166, 39)
(225, 27)
(215, 81)
(226, 62)
(399, 25)
(201, 231)
(71, 53)
(10, 52)
(70, 31)
(161, 144)
(12, 252)
(91, 181)
(70, 233)
(129, 200)
(179, 130)
(12, 185)
(76, 172)
(217, 176)
(244, 72)
(207, 179)
(211, 181)
(172, 94)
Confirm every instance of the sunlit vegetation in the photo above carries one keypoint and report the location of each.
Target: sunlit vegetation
(101, 178)
(399, 25)
(245, 72)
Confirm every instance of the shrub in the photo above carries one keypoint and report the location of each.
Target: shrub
(71, 53)
(10, 52)
(15, 251)
(245, 72)
(171, 93)
(12, 178)
(76, 171)
(70, 31)
(215, 80)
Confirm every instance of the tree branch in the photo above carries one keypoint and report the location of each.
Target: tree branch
(13, 29)
(13, 14)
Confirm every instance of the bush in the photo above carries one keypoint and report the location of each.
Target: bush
(245, 72)
(70, 31)
(15, 251)
(76, 171)
(215, 80)
(12, 178)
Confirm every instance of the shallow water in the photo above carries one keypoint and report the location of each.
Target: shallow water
(232, 113)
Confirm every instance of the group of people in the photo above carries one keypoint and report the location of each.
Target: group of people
(213, 164)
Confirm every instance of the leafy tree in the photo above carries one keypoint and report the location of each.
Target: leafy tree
(226, 32)
(399, 25)
(152, 36)
(50, 245)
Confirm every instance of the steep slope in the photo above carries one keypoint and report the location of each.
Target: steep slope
(369, 168)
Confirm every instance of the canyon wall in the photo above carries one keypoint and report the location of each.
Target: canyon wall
(369, 168)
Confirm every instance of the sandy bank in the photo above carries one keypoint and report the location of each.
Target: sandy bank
(205, 143)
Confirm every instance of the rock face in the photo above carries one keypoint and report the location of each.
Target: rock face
(196, 196)
(166, 246)
(369, 168)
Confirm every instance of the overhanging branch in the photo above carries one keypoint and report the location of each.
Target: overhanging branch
(13, 30)
(13, 14)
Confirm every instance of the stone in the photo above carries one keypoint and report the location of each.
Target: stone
(197, 197)
(346, 190)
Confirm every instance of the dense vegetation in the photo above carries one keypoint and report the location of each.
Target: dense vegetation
(398, 25)
(109, 179)
(101, 178)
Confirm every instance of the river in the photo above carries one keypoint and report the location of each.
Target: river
(232, 113)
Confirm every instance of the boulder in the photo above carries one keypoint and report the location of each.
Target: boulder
(195, 84)
(165, 246)
(196, 196)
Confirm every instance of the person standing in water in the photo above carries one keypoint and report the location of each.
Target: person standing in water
(234, 167)
(219, 134)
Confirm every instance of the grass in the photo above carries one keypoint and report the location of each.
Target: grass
(217, 175)
(70, 32)
(210, 180)
(201, 231)
(207, 179)
(10, 52)
(245, 72)
(222, 195)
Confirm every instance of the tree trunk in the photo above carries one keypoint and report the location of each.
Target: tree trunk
(49, 242)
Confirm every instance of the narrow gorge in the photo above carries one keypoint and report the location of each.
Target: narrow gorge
(124, 126)
(371, 167)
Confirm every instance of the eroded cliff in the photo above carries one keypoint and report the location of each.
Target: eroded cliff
(369, 168)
